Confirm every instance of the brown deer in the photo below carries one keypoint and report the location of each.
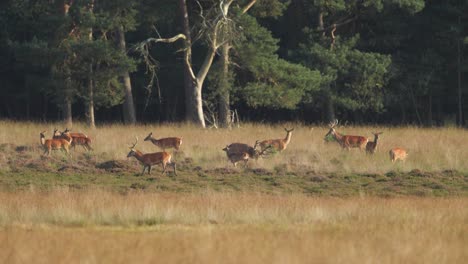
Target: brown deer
(165, 143)
(79, 139)
(345, 141)
(397, 154)
(237, 157)
(278, 144)
(150, 159)
(372, 145)
(237, 152)
(54, 144)
(57, 134)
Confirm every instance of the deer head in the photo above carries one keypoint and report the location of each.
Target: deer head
(132, 148)
(148, 137)
(332, 130)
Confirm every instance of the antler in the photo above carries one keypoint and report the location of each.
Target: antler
(256, 144)
(264, 150)
(333, 124)
(288, 130)
(134, 144)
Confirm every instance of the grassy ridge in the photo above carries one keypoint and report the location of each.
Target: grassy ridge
(435, 167)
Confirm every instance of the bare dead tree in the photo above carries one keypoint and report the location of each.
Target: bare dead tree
(212, 29)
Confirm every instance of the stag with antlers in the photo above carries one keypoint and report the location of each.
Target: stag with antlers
(277, 144)
(345, 141)
(372, 145)
(150, 159)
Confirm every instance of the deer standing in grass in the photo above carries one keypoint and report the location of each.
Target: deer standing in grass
(278, 144)
(345, 141)
(54, 144)
(165, 143)
(79, 139)
(397, 154)
(237, 152)
(372, 145)
(150, 159)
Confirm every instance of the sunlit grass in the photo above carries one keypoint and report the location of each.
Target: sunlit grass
(229, 228)
(429, 149)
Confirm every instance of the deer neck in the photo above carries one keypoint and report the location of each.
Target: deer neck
(375, 139)
(138, 155)
(338, 136)
(42, 140)
(68, 138)
(287, 138)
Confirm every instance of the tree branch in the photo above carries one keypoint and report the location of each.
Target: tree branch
(164, 40)
(248, 6)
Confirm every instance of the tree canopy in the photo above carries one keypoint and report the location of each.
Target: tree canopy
(384, 61)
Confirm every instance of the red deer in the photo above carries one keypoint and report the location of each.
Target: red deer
(165, 143)
(397, 154)
(150, 159)
(372, 145)
(278, 144)
(79, 139)
(237, 157)
(57, 134)
(54, 144)
(237, 152)
(346, 142)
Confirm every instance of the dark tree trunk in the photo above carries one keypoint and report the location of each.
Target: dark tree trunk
(67, 104)
(189, 82)
(129, 114)
(67, 98)
(224, 89)
(329, 108)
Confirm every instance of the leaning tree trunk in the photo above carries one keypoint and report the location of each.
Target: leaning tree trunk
(128, 106)
(223, 96)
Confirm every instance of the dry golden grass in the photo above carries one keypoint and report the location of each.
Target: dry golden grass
(429, 149)
(228, 228)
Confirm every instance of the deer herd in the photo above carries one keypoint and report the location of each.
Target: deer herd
(235, 152)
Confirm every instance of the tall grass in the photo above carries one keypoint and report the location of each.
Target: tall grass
(229, 228)
(429, 149)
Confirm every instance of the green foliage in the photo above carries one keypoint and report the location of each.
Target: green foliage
(355, 78)
(273, 82)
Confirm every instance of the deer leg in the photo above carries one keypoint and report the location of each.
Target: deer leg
(164, 168)
(174, 165)
(149, 170)
(143, 172)
(245, 163)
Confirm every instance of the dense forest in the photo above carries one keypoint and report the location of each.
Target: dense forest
(214, 62)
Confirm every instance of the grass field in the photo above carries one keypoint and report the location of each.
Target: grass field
(312, 203)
